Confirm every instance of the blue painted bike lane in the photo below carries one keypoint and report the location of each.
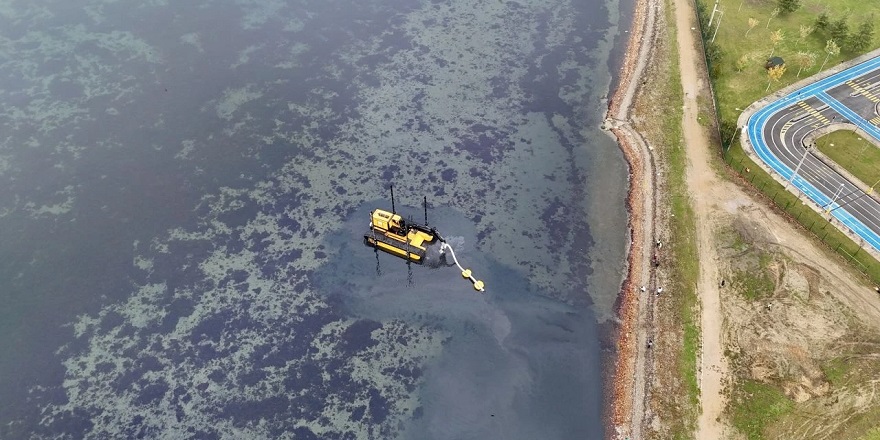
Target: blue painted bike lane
(755, 130)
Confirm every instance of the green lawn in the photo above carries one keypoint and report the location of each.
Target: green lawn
(854, 153)
(874, 434)
(755, 284)
(737, 88)
(755, 405)
(835, 371)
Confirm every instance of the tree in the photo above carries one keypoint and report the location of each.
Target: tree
(775, 73)
(804, 60)
(861, 39)
(752, 23)
(839, 30)
(743, 62)
(776, 37)
(831, 49)
(729, 133)
(714, 54)
(773, 14)
(788, 6)
(822, 21)
(805, 32)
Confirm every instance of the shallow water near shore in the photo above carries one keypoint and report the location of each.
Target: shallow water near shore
(186, 187)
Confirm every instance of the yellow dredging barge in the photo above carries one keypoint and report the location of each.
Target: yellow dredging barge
(390, 233)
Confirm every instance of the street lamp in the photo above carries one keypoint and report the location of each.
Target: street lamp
(712, 17)
(720, 15)
(798, 167)
(871, 189)
(848, 201)
(733, 135)
(828, 206)
(833, 118)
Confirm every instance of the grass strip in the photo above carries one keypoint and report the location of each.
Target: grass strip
(755, 405)
(682, 224)
(873, 434)
(852, 152)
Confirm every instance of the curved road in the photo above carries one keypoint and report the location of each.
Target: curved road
(779, 131)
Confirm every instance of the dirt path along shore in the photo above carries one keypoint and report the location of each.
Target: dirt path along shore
(701, 178)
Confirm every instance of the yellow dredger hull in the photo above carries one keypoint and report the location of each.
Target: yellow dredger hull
(393, 250)
(412, 247)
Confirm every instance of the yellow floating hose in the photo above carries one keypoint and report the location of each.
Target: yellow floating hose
(465, 273)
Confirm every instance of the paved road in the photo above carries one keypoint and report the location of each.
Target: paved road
(778, 131)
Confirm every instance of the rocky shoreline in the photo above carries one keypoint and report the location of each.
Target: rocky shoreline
(626, 387)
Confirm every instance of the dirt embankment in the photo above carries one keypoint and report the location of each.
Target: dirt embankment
(626, 392)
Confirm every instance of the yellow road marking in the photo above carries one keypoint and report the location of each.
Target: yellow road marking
(862, 91)
(813, 112)
(785, 128)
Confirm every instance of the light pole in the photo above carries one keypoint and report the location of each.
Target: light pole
(720, 15)
(798, 167)
(865, 148)
(848, 201)
(871, 189)
(828, 206)
(732, 137)
(712, 17)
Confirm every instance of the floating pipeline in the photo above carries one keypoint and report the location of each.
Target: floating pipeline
(465, 273)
